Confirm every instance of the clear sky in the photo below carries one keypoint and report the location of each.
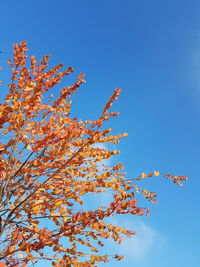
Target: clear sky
(151, 50)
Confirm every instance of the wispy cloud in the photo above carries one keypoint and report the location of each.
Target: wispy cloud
(138, 247)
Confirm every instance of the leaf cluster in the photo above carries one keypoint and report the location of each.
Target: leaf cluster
(49, 164)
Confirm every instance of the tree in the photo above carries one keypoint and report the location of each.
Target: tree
(49, 165)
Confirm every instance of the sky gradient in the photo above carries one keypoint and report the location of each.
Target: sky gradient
(151, 50)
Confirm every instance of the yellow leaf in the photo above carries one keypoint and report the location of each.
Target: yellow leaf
(57, 191)
(29, 147)
(65, 219)
(36, 208)
(81, 193)
(58, 202)
(143, 175)
(30, 87)
(35, 223)
(107, 184)
(156, 173)
(144, 192)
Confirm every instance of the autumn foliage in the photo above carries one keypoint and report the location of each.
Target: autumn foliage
(50, 163)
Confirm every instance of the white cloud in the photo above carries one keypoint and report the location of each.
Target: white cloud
(138, 247)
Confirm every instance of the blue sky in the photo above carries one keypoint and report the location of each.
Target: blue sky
(151, 50)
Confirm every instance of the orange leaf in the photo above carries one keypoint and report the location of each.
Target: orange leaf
(2, 264)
